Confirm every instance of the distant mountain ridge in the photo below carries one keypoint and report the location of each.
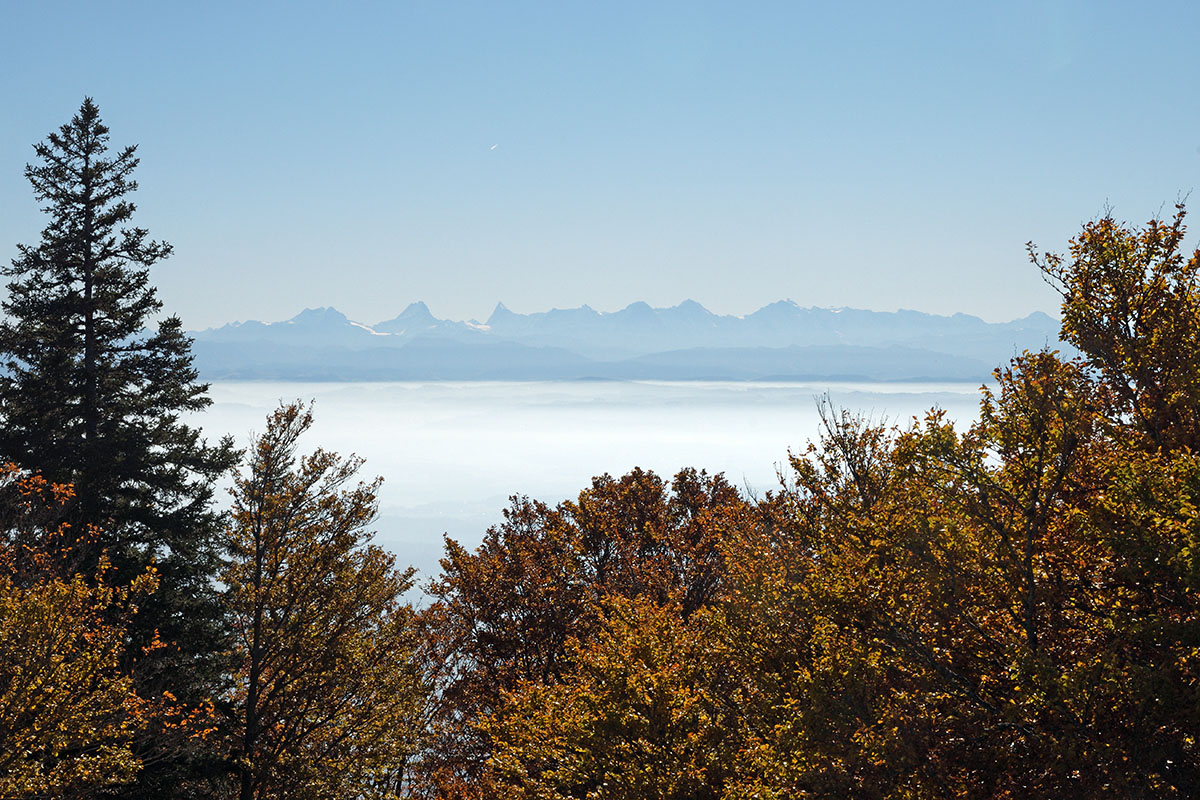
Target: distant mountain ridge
(687, 341)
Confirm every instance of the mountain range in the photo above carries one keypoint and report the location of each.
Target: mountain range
(781, 341)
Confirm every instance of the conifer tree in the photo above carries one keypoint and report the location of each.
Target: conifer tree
(92, 392)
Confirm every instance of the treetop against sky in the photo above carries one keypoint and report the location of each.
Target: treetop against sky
(542, 154)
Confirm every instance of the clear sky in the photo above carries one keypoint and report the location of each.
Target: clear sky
(366, 155)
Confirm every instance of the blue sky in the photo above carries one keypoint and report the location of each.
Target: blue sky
(869, 155)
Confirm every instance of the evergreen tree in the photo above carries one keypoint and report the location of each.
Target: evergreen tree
(92, 395)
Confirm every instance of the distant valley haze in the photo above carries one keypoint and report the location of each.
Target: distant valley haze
(780, 341)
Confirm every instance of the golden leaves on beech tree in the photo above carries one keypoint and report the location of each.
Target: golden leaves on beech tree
(326, 693)
(68, 713)
(1008, 609)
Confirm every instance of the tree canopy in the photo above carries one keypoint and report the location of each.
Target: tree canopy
(91, 394)
(1006, 607)
(70, 715)
(326, 694)
(1003, 609)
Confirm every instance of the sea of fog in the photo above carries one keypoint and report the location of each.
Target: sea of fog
(451, 453)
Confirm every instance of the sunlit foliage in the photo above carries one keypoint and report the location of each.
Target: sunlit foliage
(68, 714)
(326, 689)
(1131, 304)
(512, 613)
(639, 715)
(1010, 611)
(1004, 610)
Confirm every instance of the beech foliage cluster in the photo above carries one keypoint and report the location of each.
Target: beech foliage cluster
(1008, 608)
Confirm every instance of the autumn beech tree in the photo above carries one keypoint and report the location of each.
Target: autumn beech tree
(1004, 610)
(638, 716)
(1131, 304)
(326, 691)
(69, 716)
(510, 617)
(91, 394)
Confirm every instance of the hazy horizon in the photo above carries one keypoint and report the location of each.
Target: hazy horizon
(551, 155)
(602, 311)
